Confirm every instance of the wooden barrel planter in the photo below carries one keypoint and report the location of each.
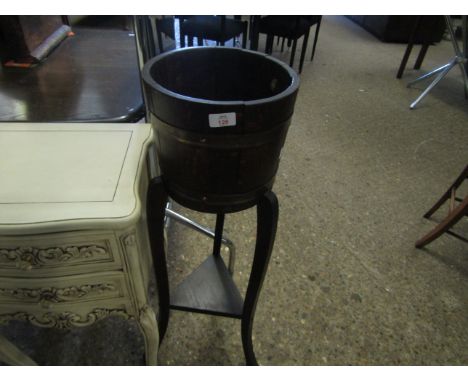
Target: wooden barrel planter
(221, 116)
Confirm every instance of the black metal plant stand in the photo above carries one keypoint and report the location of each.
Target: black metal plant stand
(210, 289)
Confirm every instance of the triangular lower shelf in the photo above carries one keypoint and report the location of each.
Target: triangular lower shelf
(209, 289)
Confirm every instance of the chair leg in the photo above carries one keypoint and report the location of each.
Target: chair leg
(150, 37)
(282, 44)
(303, 50)
(293, 53)
(159, 36)
(199, 41)
(254, 32)
(404, 60)
(269, 44)
(409, 47)
(244, 35)
(317, 29)
(421, 55)
(452, 218)
(182, 40)
(446, 195)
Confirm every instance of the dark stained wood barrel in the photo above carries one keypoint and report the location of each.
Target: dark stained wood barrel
(221, 116)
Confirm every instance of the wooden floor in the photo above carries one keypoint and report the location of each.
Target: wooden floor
(92, 76)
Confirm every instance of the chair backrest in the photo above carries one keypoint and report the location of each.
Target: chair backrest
(217, 28)
(283, 26)
(145, 47)
(145, 42)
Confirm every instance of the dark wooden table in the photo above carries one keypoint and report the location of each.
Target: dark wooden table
(92, 76)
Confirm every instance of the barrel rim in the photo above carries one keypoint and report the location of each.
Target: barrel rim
(148, 79)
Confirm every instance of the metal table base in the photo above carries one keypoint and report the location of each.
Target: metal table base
(460, 59)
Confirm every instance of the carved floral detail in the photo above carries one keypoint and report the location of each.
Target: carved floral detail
(48, 295)
(64, 320)
(29, 257)
(129, 240)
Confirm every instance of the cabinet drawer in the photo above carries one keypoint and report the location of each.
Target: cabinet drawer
(58, 254)
(67, 315)
(52, 292)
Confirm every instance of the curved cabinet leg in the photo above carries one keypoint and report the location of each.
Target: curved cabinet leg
(155, 211)
(267, 219)
(11, 355)
(149, 329)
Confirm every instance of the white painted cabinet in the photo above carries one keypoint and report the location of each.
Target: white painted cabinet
(73, 236)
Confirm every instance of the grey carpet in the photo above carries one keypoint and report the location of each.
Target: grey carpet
(345, 285)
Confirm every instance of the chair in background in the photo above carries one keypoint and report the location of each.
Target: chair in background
(215, 28)
(164, 25)
(423, 32)
(290, 28)
(456, 212)
(460, 59)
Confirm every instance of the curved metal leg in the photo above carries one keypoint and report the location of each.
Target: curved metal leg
(155, 211)
(267, 219)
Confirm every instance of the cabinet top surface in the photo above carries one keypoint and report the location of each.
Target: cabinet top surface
(67, 175)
